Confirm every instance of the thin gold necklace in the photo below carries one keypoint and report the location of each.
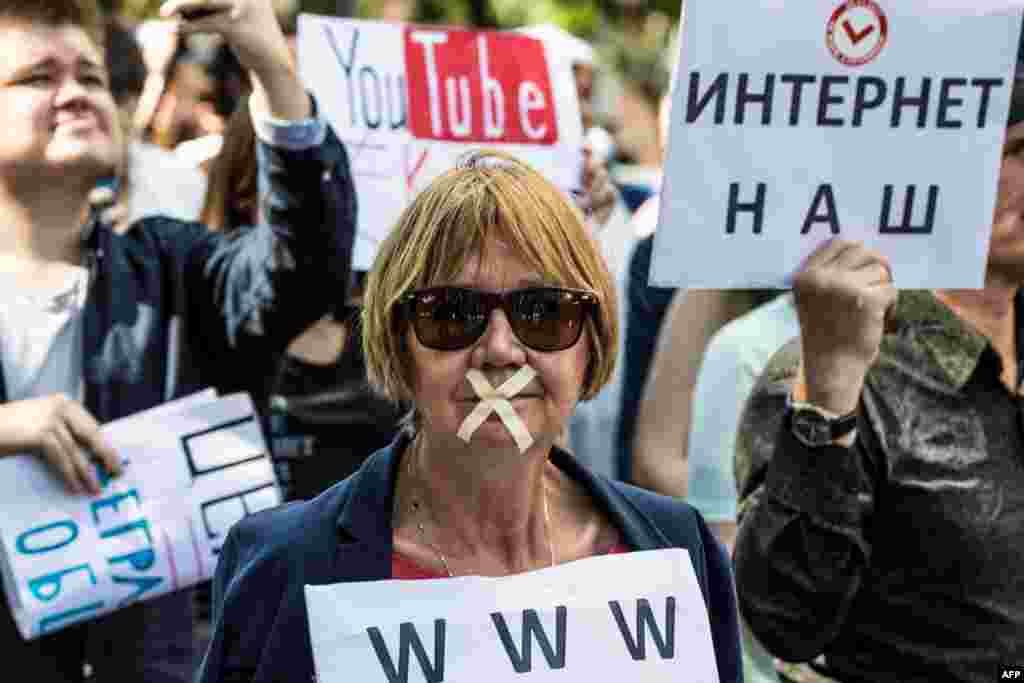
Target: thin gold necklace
(419, 510)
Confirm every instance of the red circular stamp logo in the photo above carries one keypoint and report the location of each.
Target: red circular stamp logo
(857, 32)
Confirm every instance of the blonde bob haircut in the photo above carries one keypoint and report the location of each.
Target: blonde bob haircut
(488, 197)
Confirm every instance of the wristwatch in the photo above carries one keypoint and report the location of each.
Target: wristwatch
(815, 427)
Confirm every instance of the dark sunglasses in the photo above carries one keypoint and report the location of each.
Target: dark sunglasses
(453, 318)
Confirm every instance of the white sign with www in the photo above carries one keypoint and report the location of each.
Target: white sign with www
(573, 622)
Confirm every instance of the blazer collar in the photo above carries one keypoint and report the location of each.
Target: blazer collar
(363, 525)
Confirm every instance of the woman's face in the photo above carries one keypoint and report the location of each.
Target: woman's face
(1006, 248)
(443, 395)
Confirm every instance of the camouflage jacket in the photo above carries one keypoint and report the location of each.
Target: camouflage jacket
(900, 558)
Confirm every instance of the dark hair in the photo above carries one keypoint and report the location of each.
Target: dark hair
(231, 82)
(125, 63)
(81, 13)
(233, 175)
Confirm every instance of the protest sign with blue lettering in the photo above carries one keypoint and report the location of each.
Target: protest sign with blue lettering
(409, 100)
(871, 120)
(192, 468)
(573, 622)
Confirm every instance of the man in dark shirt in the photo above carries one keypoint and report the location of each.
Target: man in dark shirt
(881, 468)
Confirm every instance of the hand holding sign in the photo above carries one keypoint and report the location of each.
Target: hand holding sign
(876, 112)
(63, 433)
(842, 295)
(194, 467)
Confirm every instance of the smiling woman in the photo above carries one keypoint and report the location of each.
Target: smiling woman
(491, 311)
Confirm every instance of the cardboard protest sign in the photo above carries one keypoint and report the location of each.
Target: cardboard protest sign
(409, 100)
(573, 622)
(192, 468)
(869, 120)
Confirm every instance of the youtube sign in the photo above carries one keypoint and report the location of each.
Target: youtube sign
(467, 86)
(409, 101)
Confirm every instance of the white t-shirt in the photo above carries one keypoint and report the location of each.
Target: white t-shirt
(41, 337)
(41, 331)
(161, 185)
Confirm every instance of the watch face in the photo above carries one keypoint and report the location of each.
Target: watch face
(821, 433)
(811, 428)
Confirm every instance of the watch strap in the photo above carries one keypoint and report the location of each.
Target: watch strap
(838, 425)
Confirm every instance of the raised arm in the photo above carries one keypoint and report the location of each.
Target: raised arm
(251, 294)
(663, 419)
(802, 548)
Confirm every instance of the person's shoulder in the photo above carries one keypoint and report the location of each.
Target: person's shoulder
(166, 239)
(678, 522)
(674, 517)
(163, 231)
(287, 532)
(274, 530)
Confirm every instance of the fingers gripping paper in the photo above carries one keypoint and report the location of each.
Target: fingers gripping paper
(497, 401)
(192, 469)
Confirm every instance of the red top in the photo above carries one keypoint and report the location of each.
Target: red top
(404, 568)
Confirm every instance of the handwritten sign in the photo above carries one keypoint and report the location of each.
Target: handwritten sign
(576, 621)
(870, 120)
(192, 468)
(409, 100)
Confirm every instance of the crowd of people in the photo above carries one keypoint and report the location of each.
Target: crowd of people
(842, 462)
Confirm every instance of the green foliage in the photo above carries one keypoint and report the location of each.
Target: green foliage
(135, 9)
(583, 18)
(670, 8)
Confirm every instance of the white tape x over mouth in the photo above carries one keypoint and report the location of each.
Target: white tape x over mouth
(497, 401)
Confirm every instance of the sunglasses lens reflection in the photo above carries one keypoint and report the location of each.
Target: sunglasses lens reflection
(544, 319)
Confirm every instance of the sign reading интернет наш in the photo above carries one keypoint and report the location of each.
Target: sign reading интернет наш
(871, 120)
(192, 468)
(576, 621)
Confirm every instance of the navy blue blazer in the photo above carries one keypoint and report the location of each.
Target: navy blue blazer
(261, 633)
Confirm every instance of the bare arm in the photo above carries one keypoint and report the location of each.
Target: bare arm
(663, 420)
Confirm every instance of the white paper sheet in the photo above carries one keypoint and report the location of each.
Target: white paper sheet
(192, 468)
(953, 44)
(359, 73)
(583, 621)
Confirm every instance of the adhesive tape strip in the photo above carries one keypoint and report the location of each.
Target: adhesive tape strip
(497, 401)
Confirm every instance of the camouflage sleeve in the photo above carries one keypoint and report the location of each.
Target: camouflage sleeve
(801, 548)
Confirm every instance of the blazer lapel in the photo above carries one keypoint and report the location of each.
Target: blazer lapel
(637, 530)
(362, 532)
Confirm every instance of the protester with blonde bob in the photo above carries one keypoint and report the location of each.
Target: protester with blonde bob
(490, 312)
